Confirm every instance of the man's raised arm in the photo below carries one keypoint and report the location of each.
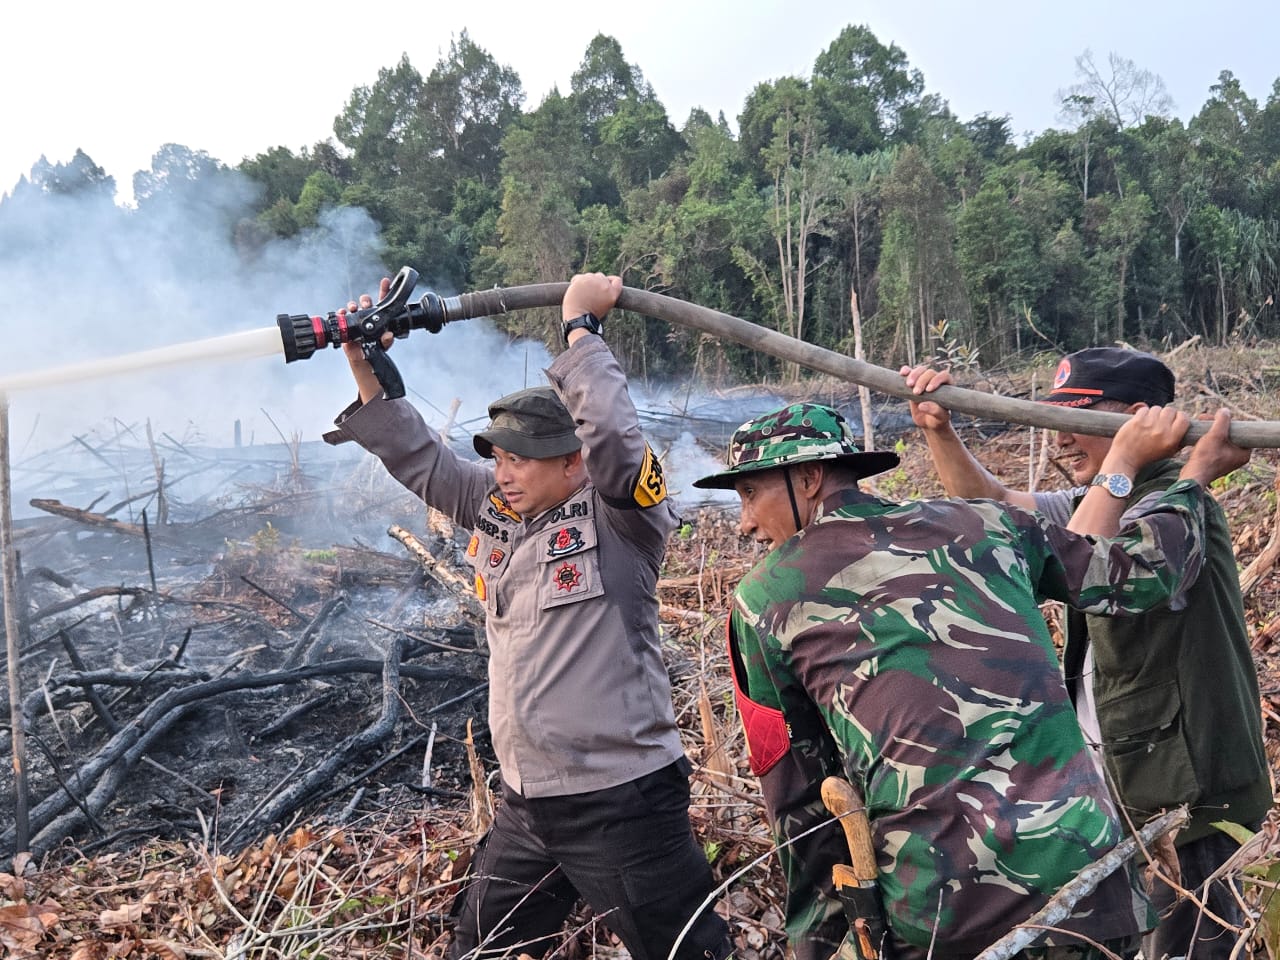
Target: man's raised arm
(958, 469)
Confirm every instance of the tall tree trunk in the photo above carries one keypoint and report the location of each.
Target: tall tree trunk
(864, 394)
(1222, 305)
(1124, 270)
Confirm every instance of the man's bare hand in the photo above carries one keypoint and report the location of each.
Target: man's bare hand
(366, 382)
(1214, 455)
(353, 350)
(592, 293)
(922, 380)
(1150, 434)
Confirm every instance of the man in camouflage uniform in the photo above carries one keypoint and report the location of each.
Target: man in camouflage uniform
(900, 646)
(570, 518)
(1154, 692)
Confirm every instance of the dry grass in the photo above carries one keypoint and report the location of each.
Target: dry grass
(383, 887)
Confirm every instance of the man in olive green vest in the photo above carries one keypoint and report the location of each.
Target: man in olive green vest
(1170, 698)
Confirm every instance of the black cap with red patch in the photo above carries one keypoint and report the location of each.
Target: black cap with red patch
(1110, 373)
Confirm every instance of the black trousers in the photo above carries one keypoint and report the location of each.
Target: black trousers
(1178, 918)
(627, 850)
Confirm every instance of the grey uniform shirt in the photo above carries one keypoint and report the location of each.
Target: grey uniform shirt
(579, 696)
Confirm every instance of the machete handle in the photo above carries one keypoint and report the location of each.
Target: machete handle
(845, 803)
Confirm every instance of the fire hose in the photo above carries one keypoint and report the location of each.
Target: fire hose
(303, 335)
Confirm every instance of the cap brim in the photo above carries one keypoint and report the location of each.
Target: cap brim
(866, 465)
(535, 448)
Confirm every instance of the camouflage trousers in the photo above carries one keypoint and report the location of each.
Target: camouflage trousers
(1124, 947)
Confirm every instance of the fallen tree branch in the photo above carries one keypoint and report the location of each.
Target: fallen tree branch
(109, 766)
(459, 587)
(101, 521)
(316, 779)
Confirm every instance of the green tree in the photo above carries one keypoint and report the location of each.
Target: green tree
(638, 143)
(603, 81)
(175, 170)
(1121, 223)
(862, 90)
(279, 172)
(919, 280)
(543, 179)
(79, 177)
(468, 103)
(1003, 235)
(320, 191)
(1178, 182)
(376, 120)
(864, 176)
(808, 184)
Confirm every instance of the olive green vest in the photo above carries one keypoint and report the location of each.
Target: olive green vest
(1177, 692)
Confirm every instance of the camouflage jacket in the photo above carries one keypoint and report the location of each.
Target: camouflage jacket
(901, 647)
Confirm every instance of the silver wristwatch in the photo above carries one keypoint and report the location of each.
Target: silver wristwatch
(1116, 484)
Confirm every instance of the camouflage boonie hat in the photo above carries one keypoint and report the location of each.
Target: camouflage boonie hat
(795, 434)
(529, 423)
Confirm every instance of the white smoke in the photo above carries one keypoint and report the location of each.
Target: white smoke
(87, 280)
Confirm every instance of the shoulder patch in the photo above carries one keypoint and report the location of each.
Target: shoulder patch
(651, 486)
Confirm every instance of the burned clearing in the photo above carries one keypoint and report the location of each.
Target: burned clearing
(248, 710)
(227, 640)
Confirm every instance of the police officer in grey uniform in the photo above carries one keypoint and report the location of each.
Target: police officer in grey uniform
(570, 521)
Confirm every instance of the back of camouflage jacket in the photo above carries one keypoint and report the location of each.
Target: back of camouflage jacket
(579, 696)
(901, 646)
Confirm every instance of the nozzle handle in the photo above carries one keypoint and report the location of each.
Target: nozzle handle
(386, 372)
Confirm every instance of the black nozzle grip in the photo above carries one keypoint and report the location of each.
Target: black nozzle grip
(384, 370)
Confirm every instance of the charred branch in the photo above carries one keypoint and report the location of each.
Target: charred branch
(285, 803)
(51, 820)
(459, 586)
(98, 520)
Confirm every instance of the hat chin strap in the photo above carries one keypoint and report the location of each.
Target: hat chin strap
(791, 495)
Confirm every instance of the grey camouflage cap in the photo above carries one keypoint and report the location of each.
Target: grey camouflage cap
(530, 423)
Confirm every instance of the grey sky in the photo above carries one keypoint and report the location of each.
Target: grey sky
(235, 78)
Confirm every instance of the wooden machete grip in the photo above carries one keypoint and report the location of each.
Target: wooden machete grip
(845, 803)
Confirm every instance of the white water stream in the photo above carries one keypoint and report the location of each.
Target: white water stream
(236, 346)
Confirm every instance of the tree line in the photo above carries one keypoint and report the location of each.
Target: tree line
(850, 190)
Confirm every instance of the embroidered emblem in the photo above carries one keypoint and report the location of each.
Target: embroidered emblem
(481, 590)
(495, 557)
(651, 485)
(1063, 373)
(499, 510)
(568, 576)
(473, 547)
(564, 541)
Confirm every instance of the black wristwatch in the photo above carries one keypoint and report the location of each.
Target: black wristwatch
(588, 321)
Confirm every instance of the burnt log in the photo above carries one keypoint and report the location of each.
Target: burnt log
(98, 520)
(51, 819)
(280, 806)
(458, 585)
